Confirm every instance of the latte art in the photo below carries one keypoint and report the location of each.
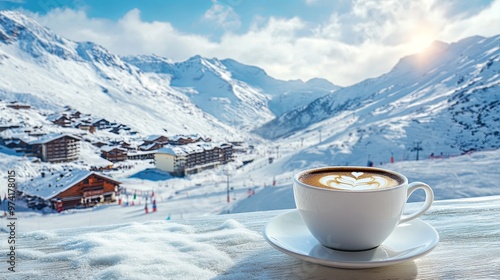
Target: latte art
(354, 183)
(351, 180)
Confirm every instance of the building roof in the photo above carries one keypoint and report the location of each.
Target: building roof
(97, 120)
(51, 137)
(183, 136)
(56, 116)
(110, 148)
(17, 134)
(153, 137)
(169, 151)
(189, 148)
(54, 183)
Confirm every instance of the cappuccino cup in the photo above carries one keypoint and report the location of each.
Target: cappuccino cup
(354, 208)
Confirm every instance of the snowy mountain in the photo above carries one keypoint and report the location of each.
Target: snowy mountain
(48, 71)
(238, 94)
(445, 99)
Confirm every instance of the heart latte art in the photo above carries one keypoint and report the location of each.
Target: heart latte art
(352, 181)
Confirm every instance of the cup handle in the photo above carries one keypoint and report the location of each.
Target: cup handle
(429, 198)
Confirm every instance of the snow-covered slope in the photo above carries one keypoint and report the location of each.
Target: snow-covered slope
(238, 94)
(47, 71)
(443, 100)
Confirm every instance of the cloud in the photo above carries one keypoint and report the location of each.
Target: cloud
(129, 35)
(365, 41)
(223, 16)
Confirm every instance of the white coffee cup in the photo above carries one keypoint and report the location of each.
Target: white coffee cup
(360, 212)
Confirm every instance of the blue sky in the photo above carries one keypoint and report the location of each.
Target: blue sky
(344, 41)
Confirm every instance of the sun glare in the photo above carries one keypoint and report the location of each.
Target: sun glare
(420, 41)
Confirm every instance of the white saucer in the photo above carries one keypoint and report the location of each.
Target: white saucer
(287, 233)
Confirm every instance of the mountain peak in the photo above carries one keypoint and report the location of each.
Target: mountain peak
(15, 25)
(195, 57)
(17, 17)
(33, 38)
(423, 60)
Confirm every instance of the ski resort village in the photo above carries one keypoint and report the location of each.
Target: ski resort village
(83, 184)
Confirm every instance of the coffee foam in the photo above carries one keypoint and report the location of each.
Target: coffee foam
(350, 180)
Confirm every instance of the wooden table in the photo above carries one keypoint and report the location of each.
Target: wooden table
(469, 248)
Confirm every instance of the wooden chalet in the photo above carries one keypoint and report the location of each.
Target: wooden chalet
(127, 146)
(60, 120)
(99, 144)
(160, 139)
(114, 154)
(56, 148)
(184, 139)
(72, 113)
(83, 125)
(122, 144)
(101, 124)
(71, 189)
(18, 106)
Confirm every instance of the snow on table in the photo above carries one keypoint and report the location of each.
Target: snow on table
(232, 247)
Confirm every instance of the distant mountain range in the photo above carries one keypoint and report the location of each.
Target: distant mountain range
(237, 94)
(447, 98)
(443, 99)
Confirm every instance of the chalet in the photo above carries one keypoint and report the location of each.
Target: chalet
(101, 124)
(160, 139)
(114, 154)
(99, 144)
(70, 189)
(60, 119)
(72, 113)
(192, 158)
(18, 106)
(119, 129)
(127, 146)
(56, 148)
(85, 126)
(122, 144)
(184, 139)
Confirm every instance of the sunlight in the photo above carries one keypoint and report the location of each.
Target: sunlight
(421, 39)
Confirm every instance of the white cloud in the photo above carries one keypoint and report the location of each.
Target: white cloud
(484, 23)
(223, 16)
(128, 35)
(365, 42)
